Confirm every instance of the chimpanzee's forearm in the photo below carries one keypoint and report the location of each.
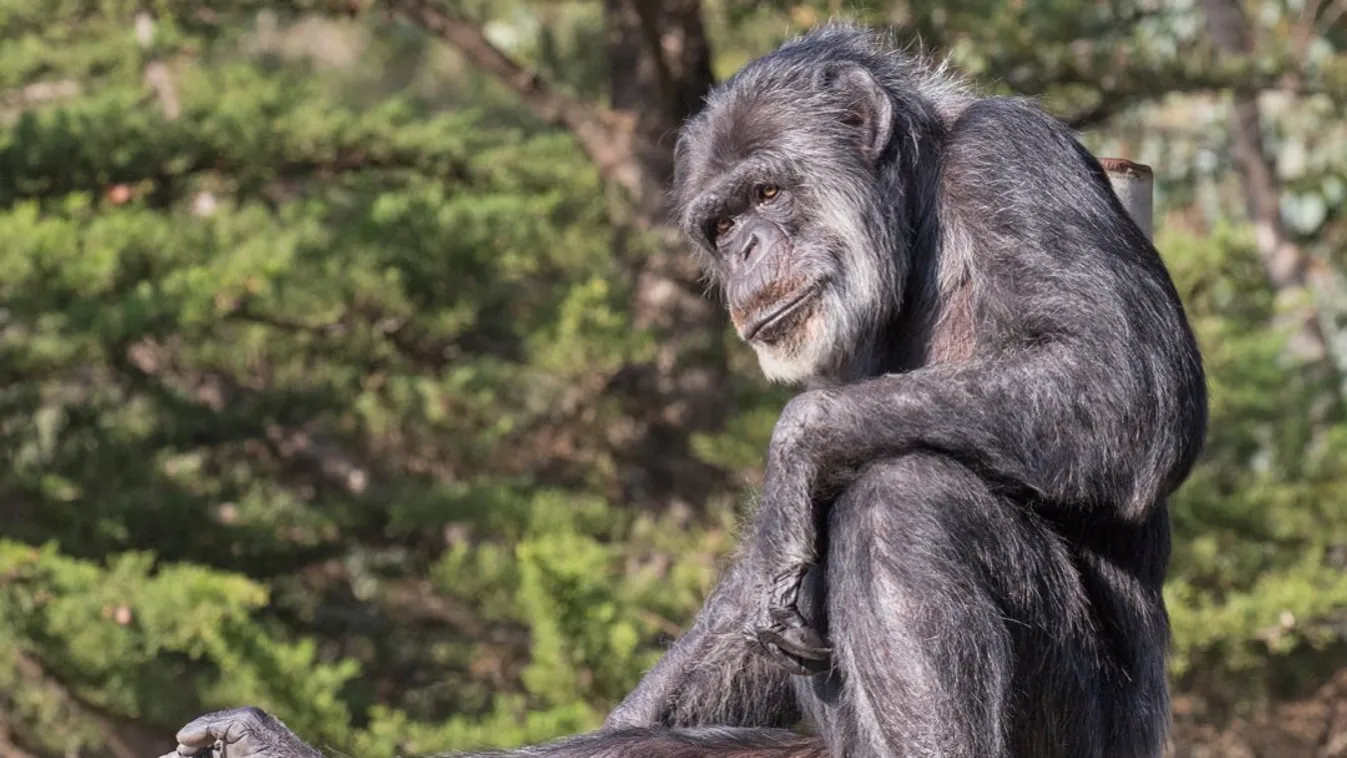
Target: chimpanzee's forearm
(663, 742)
(1073, 428)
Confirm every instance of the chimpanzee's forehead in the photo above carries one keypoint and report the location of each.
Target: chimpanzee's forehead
(740, 126)
(743, 127)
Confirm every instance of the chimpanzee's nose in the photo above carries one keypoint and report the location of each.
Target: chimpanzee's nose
(751, 243)
(758, 235)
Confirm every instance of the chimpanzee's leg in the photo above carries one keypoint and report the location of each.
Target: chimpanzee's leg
(711, 676)
(958, 624)
(710, 686)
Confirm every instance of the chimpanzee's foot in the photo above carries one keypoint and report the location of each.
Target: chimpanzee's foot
(240, 733)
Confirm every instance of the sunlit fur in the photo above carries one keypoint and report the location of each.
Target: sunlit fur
(782, 115)
(1016, 394)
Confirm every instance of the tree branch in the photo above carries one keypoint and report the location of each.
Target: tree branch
(347, 160)
(1118, 90)
(123, 737)
(8, 747)
(1291, 273)
(606, 136)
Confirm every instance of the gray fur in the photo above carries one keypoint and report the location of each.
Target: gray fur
(964, 526)
(1002, 392)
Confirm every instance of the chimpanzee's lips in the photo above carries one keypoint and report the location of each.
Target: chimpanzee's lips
(773, 323)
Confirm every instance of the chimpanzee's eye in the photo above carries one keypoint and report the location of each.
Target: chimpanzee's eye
(723, 225)
(767, 192)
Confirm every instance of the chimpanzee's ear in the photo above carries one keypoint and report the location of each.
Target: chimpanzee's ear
(869, 109)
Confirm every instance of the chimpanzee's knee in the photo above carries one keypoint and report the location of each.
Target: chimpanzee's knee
(916, 513)
(924, 660)
(946, 599)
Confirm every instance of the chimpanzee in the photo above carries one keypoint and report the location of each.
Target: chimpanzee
(963, 529)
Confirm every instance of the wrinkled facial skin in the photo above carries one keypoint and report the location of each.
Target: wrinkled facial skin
(778, 273)
(780, 188)
(773, 294)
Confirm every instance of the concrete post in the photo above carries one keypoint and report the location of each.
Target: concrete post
(1134, 184)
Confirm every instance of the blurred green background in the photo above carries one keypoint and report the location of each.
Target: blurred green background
(348, 367)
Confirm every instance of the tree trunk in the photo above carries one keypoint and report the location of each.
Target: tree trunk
(1289, 270)
(659, 64)
(660, 68)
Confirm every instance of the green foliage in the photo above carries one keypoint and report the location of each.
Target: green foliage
(309, 369)
(1256, 570)
(261, 357)
(127, 632)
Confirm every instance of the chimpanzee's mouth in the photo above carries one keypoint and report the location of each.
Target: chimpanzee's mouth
(776, 323)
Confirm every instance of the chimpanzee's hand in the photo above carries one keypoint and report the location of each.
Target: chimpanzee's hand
(240, 733)
(781, 632)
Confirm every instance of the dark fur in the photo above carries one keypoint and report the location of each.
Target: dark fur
(1003, 417)
(1003, 392)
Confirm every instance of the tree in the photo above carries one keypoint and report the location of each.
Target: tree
(348, 366)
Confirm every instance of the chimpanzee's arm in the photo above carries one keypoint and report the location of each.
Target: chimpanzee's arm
(254, 733)
(709, 678)
(1073, 426)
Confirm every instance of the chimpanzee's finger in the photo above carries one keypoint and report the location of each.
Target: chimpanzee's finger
(802, 642)
(241, 733)
(771, 645)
